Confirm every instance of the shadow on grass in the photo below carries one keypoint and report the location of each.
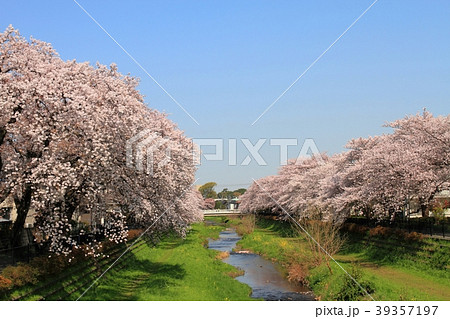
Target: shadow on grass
(383, 251)
(171, 240)
(138, 277)
(281, 228)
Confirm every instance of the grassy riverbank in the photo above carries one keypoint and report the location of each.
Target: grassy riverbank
(389, 271)
(184, 269)
(175, 269)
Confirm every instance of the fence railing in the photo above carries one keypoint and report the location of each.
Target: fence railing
(428, 226)
(207, 212)
(24, 253)
(11, 256)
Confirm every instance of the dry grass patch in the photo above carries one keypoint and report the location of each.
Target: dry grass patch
(222, 255)
(236, 273)
(245, 224)
(298, 273)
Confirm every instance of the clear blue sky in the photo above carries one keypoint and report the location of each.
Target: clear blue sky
(227, 61)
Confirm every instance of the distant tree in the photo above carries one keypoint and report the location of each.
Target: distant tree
(220, 205)
(236, 194)
(223, 194)
(207, 190)
(240, 191)
(227, 194)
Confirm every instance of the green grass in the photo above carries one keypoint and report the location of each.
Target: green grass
(388, 283)
(184, 269)
(392, 271)
(176, 269)
(275, 241)
(68, 282)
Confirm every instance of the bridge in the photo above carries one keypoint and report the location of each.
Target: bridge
(221, 212)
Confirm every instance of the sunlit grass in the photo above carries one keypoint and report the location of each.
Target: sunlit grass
(393, 276)
(176, 269)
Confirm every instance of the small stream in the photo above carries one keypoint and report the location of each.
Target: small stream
(265, 279)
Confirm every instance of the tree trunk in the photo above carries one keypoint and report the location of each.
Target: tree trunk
(71, 202)
(366, 212)
(22, 207)
(3, 193)
(425, 210)
(2, 134)
(2, 138)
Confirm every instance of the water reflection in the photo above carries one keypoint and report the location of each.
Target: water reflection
(261, 275)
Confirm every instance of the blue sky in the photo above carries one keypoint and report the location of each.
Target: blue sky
(226, 61)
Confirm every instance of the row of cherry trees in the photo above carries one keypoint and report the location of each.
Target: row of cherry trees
(375, 176)
(63, 131)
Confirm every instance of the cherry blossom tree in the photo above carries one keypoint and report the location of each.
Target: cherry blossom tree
(209, 203)
(386, 171)
(258, 197)
(425, 164)
(376, 176)
(63, 130)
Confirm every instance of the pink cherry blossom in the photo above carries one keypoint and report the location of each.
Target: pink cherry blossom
(63, 132)
(376, 176)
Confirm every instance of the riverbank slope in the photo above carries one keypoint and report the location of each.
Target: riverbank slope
(388, 271)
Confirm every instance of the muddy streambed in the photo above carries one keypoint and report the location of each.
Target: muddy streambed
(264, 277)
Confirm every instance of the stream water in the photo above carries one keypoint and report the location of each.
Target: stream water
(264, 277)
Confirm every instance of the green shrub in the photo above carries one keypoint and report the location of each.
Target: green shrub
(440, 259)
(349, 290)
(319, 277)
(219, 205)
(45, 265)
(21, 274)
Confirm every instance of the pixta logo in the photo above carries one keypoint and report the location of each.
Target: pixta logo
(141, 149)
(252, 150)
